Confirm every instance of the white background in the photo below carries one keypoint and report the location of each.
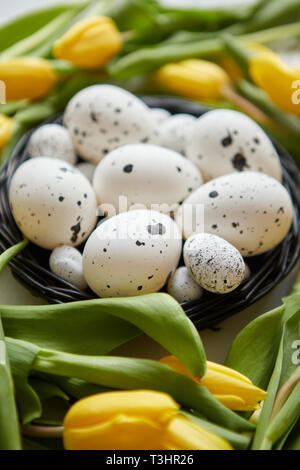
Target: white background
(216, 343)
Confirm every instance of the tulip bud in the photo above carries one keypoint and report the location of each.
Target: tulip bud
(90, 43)
(27, 78)
(133, 420)
(231, 388)
(193, 78)
(6, 129)
(278, 80)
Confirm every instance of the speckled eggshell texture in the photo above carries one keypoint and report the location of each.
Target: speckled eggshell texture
(52, 140)
(225, 141)
(103, 117)
(250, 210)
(52, 203)
(176, 131)
(183, 287)
(66, 262)
(145, 174)
(215, 264)
(133, 253)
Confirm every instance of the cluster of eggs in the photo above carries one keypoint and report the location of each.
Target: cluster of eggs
(213, 181)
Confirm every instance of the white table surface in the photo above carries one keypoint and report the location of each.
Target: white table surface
(216, 343)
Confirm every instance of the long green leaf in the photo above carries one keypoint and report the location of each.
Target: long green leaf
(9, 424)
(98, 326)
(10, 253)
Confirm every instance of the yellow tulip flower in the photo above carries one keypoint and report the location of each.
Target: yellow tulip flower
(231, 388)
(27, 78)
(90, 43)
(6, 129)
(277, 79)
(193, 78)
(232, 68)
(134, 420)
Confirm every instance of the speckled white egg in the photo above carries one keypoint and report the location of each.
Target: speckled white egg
(145, 174)
(103, 117)
(52, 203)
(183, 287)
(215, 264)
(66, 262)
(160, 115)
(133, 253)
(224, 141)
(52, 140)
(250, 210)
(87, 169)
(175, 132)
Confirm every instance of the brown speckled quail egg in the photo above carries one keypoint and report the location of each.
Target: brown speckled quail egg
(66, 262)
(52, 140)
(183, 287)
(103, 117)
(145, 174)
(132, 253)
(224, 141)
(52, 203)
(175, 132)
(215, 264)
(88, 169)
(250, 210)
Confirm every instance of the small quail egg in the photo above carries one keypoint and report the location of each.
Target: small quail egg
(131, 254)
(66, 262)
(175, 132)
(183, 287)
(52, 140)
(52, 203)
(160, 115)
(215, 264)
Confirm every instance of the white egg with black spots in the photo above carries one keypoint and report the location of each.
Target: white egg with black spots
(225, 141)
(183, 287)
(53, 141)
(52, 203)
(153, 176)
(133, 253)
(159, 115)
(175, 132)
(250, 210)
(87, 169)
(103, 117)
(66, 262)
(215, 264)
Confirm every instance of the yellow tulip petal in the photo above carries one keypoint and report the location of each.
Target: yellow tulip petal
(6, 129)
(98, 408)
(222, 381)
(90, 43)
(182, 434)
(119, 433)
(270, 73)
(193, 78)
(27, 78)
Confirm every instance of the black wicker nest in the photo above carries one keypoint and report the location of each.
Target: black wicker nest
(31, 266)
